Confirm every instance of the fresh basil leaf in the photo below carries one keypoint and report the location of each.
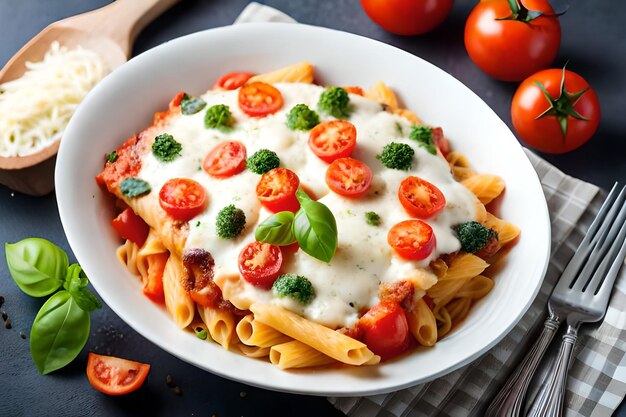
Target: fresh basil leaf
(191, 105)
(59, 332)
(277, 229)
(315, 228)
(134, 187)
(37, 265)
(76, 283)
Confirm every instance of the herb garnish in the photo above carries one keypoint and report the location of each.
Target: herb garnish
(61, 327)
(191, 105)
(134, 187)
(424, 137)
(218, 117)
(165, 148)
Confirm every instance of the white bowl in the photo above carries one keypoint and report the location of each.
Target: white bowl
(124, 103)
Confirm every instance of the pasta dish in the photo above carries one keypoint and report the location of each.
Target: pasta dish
(304, 224)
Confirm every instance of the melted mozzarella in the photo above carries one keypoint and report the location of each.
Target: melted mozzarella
(364, 260)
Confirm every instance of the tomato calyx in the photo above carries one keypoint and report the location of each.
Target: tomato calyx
(562, 107)
(523, 14)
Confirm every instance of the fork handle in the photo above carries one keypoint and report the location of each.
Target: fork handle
(509, 401)
(550, 403)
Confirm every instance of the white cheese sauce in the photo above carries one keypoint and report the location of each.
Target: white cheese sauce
(364, 259)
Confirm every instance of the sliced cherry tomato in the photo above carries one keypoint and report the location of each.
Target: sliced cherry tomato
(277, 188)
(538, 118)
(412, 239)
(420, 198)
(508, 44)
(182, 198)
(440, 141)
(130, 226)
(153, 281)
(259, 263)
(226, 159)
(333, 140)
(115, 376)
(232, 80)
(407, 17)
(348, 177)
(385, 329)
(260, 99)
(354, 90)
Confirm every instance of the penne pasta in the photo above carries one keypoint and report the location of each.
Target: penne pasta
(329, 342)
(254, 333)
(422, 323)
(177, 301)
(296, 354)
(220, 324)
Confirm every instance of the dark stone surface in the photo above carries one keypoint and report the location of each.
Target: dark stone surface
(594, 42)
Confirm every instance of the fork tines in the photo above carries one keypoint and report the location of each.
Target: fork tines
(601, 247)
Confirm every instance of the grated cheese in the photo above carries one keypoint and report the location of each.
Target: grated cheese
(35, 108)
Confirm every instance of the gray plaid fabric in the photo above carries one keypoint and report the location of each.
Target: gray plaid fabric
(597, 379)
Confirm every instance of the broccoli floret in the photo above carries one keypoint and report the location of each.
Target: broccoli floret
(218, 117)
(295, 286)
(335, 101)
(301, 117)
(397, 156)
(230, 222)
(372, 218)
(424, 137)
(474, 236)
(165, 148)
(262, 161)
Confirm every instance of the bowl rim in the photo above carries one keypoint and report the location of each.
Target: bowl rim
(260, 380)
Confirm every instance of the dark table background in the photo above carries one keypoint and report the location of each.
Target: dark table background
(593, 40)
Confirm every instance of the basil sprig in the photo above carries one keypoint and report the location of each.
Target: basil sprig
(37, 266)
(61, 327)
(277, 229)
(59, 332)
(313, 226)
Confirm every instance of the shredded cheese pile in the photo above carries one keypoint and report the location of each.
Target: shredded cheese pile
(35, 108)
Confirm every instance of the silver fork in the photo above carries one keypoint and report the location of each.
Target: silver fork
(581, 295)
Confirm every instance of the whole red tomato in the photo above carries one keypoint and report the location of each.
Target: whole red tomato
(555, 111)
(407, 17)
(506, 39)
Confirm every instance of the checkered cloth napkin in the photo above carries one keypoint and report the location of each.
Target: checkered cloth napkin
(597, 379)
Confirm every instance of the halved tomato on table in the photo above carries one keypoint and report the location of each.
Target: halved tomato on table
(182, 198)
(232, 80)
(277, 188)
(130, 226)
(412, 239)
(115, 376)
(348, 177)
(385, 330)
(333, 140)
(420, 198)
(226, 159)
(259, 99)
(259, 263)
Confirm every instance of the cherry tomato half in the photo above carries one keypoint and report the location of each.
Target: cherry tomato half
(232, 80)
(348, 177)
(226, 159)
(412, 239)
(259, 99)
(332, 140)
(130, 226)
(407, 17)
(115, 376)
(540, 128)
(182, 198)
(510, 49)
(353, 89)
(420, 198)
(259, 263)
(277, 188)
(385, 329)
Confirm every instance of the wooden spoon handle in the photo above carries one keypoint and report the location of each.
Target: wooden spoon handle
(121, 20)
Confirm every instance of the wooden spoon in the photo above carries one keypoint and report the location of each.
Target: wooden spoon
(109, 31)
